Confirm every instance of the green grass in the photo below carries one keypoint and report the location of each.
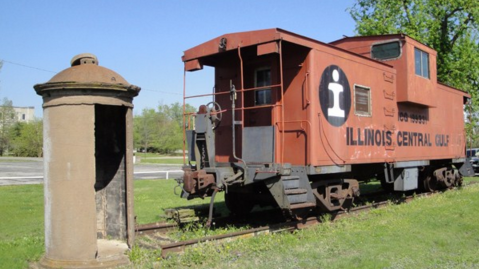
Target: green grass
(178, 161)
(435, 232)
(148, 155)
(155, 158)
(21, 225)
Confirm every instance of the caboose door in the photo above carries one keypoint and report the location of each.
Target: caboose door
(258, 101)
(258, 138)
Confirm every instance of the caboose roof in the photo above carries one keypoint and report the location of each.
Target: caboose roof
(378, 37)
(250, 38)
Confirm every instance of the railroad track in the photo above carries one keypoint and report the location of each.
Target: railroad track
(150, 228)
(168, 246)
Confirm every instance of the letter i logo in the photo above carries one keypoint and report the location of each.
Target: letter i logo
(335, 95)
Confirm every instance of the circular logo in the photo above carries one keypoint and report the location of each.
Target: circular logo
(335, 95)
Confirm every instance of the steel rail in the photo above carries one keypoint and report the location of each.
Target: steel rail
(154, 227)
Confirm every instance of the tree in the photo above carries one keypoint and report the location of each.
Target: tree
(27, 138)
(144, 129)
(448, 26)
(175, 112)
(7, 121)
(172, 138)
(160, 130)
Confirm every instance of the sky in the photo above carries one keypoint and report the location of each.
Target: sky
(143, 41)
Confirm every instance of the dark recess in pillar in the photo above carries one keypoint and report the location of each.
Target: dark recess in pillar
(110, 150)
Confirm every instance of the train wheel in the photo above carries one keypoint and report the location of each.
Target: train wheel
(335, 196)
(238, 203)
(458, 180)
(430, 183)
(447, 177)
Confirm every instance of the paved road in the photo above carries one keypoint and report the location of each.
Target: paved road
(16, 171)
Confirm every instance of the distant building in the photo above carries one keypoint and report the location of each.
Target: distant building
(25, 114)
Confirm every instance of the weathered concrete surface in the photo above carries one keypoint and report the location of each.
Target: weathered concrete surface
(70, 210)
(111, 254)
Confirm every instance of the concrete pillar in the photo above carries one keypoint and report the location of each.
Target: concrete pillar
(88, 166)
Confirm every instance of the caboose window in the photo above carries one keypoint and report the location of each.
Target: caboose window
(386, 51)
(262, 78)
(362, 100)
(421, 60)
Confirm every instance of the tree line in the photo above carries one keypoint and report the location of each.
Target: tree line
(156, 130)
(160, 130)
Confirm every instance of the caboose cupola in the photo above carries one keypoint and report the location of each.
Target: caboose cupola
(414, 62)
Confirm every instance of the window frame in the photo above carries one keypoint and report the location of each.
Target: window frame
(265, 90)
(422, 53)
(369, 105)
(385, 42)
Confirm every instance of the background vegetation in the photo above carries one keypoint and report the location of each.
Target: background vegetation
(155, 130)
(23, 139)
(160, 130)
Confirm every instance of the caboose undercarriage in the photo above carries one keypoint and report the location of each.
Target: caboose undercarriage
(297, 192)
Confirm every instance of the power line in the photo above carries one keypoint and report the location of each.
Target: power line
(45, 70)
(27, 66)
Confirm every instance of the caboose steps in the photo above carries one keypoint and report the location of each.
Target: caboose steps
(295, 191)
(302, 205)
(290, 182)
(291, 190)
(298, 193)
(296, 196)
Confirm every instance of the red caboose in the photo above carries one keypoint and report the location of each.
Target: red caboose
(296, 123)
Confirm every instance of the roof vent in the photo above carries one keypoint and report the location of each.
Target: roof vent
(84, 58)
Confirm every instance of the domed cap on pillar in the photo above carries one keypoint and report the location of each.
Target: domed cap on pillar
(86, 74)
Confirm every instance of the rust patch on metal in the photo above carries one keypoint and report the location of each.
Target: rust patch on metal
(197, 181)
